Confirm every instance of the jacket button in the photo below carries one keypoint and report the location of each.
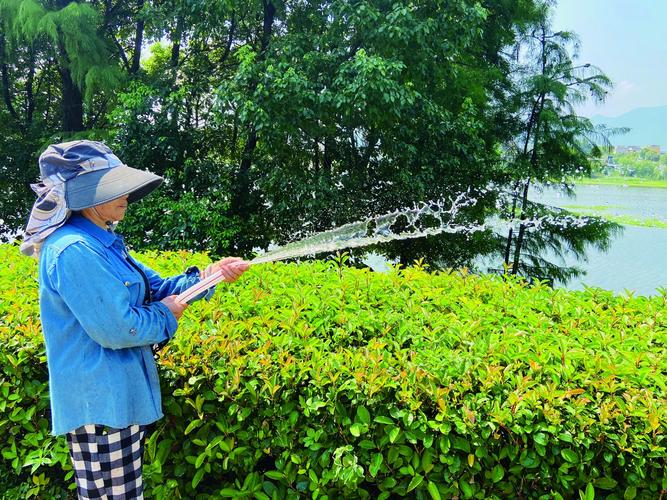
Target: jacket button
(133, 331)
(127, 283)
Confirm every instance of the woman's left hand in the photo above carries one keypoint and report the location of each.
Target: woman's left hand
(231, 267)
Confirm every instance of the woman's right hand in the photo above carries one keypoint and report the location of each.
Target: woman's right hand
(175, 306)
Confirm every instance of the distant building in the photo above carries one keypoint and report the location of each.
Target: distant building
(655, 148)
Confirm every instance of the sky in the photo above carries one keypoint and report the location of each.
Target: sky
(626, 40)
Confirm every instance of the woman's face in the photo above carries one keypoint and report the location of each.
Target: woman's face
(113, 210)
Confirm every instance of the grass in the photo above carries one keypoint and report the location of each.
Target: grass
(601, 211)
(591, 208)
(623, 181)
(632, 221)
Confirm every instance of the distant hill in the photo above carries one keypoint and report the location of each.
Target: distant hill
(649, 126)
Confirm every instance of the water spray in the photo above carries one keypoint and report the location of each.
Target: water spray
(423, 219)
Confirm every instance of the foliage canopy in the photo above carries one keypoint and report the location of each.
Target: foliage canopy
(269, 118)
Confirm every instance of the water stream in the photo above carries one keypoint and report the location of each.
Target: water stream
(425, 219)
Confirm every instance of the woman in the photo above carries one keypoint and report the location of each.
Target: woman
(101, 312)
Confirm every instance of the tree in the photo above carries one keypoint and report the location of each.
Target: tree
(69, 34)
(299, 116)
(359, 109)
(552, 142)
(273, 119)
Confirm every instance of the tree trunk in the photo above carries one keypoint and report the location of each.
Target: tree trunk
(327, 156)
(522, 230)
(29, 94)
(72, 104)
(6, 91)
(176, 36)
(241, 199)
(508, 246)
(533, 163)
(316, 156)
(533, 123)
(138, 40)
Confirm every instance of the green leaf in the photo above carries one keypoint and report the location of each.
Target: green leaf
(605, 483)
(392, 456)
(226, 445)
(393, 434)
(367, 444)
(529, 459)
(433, 490)
(565, 437)
(630, 493)
(192, 426)
(384, 420)
(427, 461)
(590, 492)
(356, 429)
(540, 438)
(462, 444)
(416, 481)
(569, 455)
(376, 463)
(465, 488)
(229, 493)
(497, 473)
(388, 483)
(276, 475)
(363, 416)
(197, 477)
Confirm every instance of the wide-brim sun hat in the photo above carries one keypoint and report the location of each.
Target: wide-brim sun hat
(93, 174)
(94, 188)
(77, 175)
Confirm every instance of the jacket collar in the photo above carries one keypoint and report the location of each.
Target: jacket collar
(107, 238)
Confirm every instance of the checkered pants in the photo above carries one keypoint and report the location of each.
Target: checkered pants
(107, 462)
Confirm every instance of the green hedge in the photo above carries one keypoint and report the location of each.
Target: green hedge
(319, 380)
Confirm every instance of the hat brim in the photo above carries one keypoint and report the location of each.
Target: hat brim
(100, 186)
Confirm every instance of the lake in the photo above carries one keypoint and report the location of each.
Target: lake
(637, 259)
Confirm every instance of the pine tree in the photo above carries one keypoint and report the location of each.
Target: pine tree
(70, 31)
(552, 144)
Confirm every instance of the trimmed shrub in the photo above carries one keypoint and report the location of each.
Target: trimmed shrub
(318, 380)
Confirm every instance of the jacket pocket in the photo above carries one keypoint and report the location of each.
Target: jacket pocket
(135, 285)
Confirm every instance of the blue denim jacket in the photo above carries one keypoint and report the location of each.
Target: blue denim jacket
(97, 330)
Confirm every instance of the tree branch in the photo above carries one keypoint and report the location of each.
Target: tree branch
(121, 51)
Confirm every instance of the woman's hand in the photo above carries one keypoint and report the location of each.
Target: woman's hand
(231, 267)
(175, 306)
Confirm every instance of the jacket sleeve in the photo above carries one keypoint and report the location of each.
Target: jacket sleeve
(174, 285)
(100, 301)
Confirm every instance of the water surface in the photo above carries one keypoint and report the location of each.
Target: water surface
(637, 259)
